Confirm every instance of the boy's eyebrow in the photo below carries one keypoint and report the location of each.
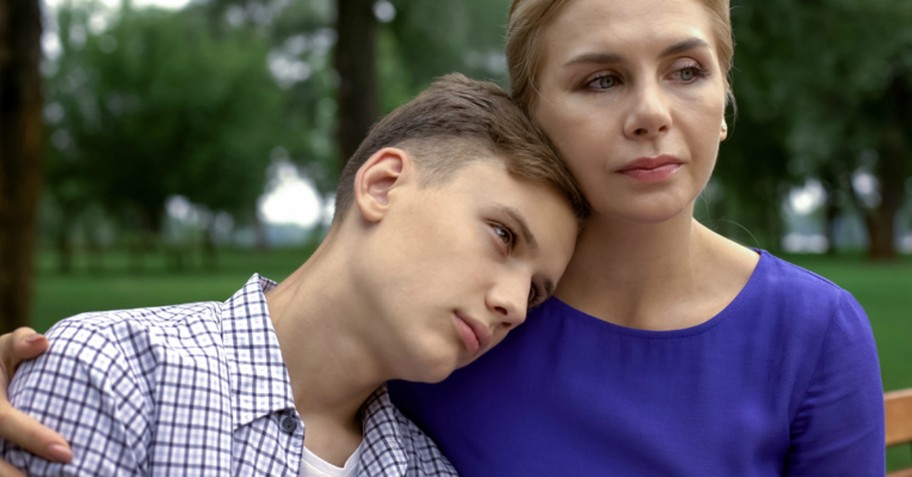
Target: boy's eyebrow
(605, 58)
(521, 224)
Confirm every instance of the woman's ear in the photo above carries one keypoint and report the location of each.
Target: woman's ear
(376, 178)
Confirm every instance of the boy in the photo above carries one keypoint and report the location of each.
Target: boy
(451, 219)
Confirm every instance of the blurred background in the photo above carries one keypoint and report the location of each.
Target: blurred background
(161, 151)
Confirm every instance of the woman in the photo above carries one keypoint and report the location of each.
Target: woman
(668, 350)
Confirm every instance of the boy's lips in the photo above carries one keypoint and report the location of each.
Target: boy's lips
(475, 336)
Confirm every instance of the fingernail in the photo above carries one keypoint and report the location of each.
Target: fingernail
(33, 338)
(60, 452)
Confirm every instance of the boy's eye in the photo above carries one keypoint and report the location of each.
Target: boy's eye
(533, 295)
(504, 234)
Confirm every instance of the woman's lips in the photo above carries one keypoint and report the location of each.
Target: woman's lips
(651, 169)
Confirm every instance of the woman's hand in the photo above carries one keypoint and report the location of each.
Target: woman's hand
(15, 426)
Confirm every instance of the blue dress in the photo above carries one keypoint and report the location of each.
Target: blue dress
(784, 382)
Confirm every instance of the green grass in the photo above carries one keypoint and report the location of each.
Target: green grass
(117, 285)
(883, 289)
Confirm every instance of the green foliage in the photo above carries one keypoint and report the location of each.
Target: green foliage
(821, 87)
(429, 39)
(151, 103)
(300, 38)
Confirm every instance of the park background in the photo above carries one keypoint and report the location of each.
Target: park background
(157, 152)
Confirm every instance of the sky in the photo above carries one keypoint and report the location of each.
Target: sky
(291, 198)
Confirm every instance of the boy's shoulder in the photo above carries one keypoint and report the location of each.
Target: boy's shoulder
(136, 330)
(194, 328)
(394, 444)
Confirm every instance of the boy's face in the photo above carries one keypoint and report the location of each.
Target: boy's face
(459, 264)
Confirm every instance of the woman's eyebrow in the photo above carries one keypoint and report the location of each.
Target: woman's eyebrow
(608, 58)
(686, 45)
(594, 58)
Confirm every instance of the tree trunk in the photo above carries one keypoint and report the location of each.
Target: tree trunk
(20, 154)
(892, 169)
(355, 59)
(881, 221)
(835, 181)
(831, 213)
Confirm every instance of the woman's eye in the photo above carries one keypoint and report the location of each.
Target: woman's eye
(607, 81)
(690, 74)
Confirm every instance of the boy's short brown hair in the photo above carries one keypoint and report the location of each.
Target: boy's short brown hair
(455, 121)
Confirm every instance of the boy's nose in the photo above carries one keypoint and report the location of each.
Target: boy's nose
(509, 299)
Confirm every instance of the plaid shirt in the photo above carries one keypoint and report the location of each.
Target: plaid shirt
(189, 390)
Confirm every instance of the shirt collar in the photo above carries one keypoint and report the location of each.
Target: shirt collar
(259, 380)
(383, 430)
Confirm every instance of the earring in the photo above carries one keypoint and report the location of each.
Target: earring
(724, 128)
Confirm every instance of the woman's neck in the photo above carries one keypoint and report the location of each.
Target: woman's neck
(664, 276)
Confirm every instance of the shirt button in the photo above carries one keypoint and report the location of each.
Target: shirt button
(288, 424)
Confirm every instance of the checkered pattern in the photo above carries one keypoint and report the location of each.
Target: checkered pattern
(189, 390)
(394, 446)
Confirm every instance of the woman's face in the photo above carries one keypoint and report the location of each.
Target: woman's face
(632, 95)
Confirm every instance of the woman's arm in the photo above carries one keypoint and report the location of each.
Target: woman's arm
(15, 426)
(839, 427)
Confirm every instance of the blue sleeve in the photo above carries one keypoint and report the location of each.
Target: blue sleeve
(81, 388)
(838, 428)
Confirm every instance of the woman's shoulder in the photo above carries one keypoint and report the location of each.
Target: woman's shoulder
(802, 297)
(790, 279)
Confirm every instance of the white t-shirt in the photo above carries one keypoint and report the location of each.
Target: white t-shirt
(313, 466)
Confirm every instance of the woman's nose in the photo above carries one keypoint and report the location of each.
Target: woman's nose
(649, 114)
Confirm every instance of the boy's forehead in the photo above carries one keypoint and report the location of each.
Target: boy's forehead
(492, 174)
(531, 192)
(539, 187)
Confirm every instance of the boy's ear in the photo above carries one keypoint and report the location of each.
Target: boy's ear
(376, 178)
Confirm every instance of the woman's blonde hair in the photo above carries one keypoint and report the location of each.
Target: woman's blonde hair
(525, 50)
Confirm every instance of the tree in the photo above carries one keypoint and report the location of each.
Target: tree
(158, 103)
(856, 117)
(834, 79)
(20, 154)
(355, 63)
(372, 67)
